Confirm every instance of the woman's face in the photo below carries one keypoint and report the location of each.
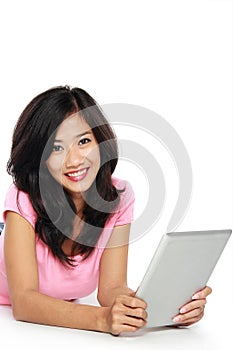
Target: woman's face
(75, 158)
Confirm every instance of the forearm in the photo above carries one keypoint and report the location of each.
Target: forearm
(39, 308)
(107, 295)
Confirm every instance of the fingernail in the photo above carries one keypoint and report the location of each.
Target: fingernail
(183, 310)
(176, 319)
(196, 296)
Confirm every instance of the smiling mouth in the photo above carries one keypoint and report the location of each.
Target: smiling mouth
(77, 175)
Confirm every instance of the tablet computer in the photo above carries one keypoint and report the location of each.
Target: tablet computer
(181, 265)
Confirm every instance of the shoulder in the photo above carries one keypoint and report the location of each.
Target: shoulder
(124, 186)
(127, 198)
(13, 193)
(123, 213)
(19, 202)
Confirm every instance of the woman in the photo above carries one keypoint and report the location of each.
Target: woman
(67, 221)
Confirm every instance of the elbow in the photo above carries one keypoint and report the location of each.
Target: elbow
(19, 306)
(17, 309)
(17, 315)
(102, 299)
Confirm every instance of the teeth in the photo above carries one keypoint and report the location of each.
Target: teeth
(77, 173)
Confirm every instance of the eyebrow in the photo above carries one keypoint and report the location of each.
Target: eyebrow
(79, 135)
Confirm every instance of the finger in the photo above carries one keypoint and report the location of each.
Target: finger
(127, 324)
(133, 321)
(192, 305)
(203, 293)
(123, 328)
(132, 302)
(191, 316)
(137, 313)
(191, 320)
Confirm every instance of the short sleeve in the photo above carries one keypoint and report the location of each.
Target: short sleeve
(19, 202)
(126, 206)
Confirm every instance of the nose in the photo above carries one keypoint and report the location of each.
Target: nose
(74, 157)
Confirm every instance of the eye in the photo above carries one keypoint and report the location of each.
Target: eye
(57, 148)
(84, 141)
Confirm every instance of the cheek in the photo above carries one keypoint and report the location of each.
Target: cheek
(55, 165)
(94, 157)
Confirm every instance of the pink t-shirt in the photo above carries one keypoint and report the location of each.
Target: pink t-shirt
(55, 279)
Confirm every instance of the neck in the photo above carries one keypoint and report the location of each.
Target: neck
(78, 202)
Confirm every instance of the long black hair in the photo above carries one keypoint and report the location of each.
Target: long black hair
(31, 146)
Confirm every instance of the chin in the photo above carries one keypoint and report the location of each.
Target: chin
(77, 188)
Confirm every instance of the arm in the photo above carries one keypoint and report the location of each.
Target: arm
(113, 267)
(127, 312)
(28, 304)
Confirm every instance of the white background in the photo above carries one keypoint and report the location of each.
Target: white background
(171, 56)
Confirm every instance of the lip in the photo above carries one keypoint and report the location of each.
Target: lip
(77, 175)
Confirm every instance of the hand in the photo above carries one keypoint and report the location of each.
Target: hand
(193, 311)
(127, 314)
